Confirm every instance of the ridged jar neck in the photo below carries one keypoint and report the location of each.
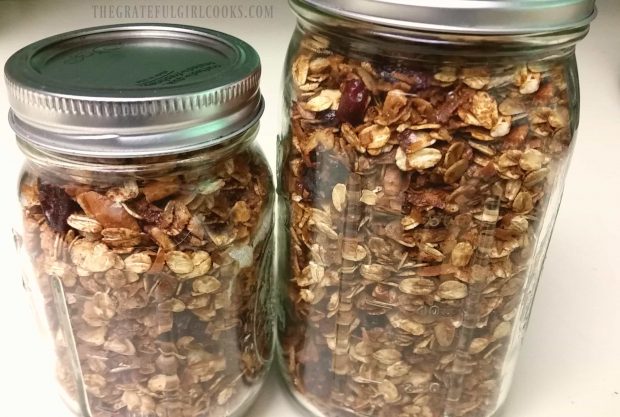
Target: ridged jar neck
(88, 169)
(356, 34)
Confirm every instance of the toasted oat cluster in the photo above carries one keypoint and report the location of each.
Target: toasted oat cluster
(416, 195)
(153, 286)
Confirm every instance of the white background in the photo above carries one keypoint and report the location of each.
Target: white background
(570, 362)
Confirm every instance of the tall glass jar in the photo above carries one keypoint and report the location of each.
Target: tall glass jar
(147, 217)
(421, 170)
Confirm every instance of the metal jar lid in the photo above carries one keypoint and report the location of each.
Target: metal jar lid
(497, 17)
(133, 90)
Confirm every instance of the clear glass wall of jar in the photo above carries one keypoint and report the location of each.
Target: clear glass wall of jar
(148, 255)
(151, 274)
(420, 177)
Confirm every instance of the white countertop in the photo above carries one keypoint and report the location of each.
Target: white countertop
(570, 362)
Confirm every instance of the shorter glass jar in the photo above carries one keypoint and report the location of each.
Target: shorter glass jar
(148, 253)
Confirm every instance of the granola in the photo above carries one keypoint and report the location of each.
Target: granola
(415, 194)
(153, 283)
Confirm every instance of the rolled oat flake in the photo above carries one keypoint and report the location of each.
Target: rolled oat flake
(133, 90)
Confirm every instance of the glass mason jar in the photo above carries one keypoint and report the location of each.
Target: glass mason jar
(421, 170)
(147, 217)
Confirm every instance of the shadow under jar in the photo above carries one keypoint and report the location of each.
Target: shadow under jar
(421, 170)
(147, 217)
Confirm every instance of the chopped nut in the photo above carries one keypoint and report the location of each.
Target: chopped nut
(106, 212)
(158, 190)
(241, 212)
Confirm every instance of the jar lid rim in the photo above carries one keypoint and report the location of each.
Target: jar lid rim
(149, 80)
(475, 17)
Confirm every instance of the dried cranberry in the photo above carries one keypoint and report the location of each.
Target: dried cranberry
(353, 102)
(57, 206)
(309, 181)
(328, 118)
(406, 208)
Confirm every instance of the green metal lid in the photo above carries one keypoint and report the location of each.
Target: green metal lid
(462, 16)
(133, 90)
